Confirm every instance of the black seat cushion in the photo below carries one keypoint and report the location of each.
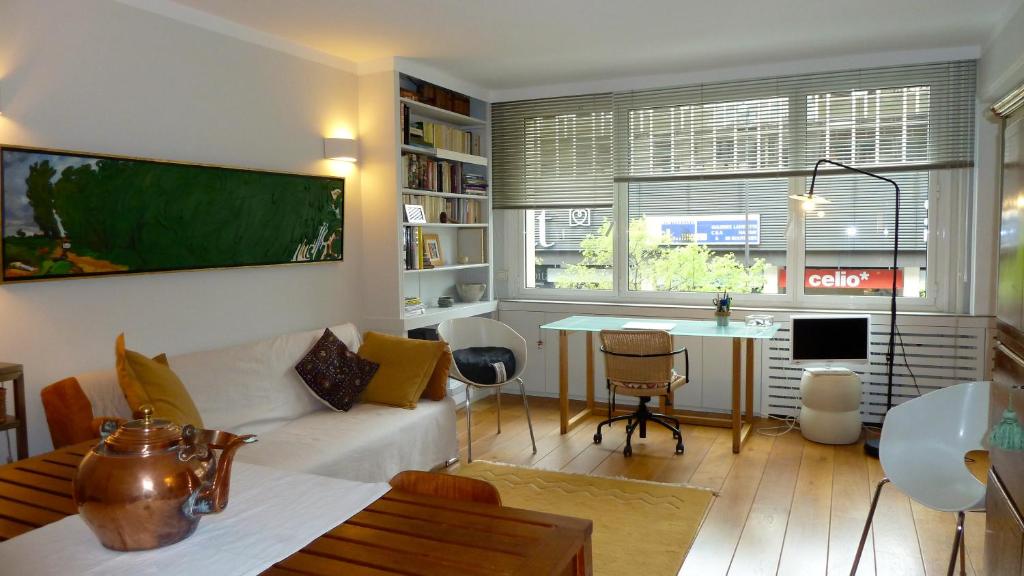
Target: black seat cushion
(478, 363)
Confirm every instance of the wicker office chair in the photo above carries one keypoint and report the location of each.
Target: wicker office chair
(639, 363)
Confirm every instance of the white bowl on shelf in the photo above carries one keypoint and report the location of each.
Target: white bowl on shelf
(470, 292)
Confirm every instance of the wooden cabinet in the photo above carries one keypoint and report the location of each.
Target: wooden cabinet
(1004, 532)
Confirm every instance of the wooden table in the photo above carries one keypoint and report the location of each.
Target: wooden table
(400, 533)
(740, 333)
(14, 373)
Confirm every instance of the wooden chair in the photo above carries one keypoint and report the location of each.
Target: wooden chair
(640, 363)
(446, 486)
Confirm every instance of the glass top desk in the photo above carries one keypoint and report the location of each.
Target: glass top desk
(740, 333)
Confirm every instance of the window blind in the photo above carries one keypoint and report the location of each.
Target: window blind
(893, 118)
(553, 153)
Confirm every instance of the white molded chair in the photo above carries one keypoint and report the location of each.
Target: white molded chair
(472, 332)
(922, 451)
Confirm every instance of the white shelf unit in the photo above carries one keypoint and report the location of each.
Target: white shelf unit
(381, 163)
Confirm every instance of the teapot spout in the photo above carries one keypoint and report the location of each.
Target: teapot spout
(212, 495)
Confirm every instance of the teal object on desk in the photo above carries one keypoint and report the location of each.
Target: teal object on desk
(700, 328)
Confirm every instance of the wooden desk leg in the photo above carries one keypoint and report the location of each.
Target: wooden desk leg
(563, 379)
(19, 413)
(750, 380)
(737, 423)
(590, 372)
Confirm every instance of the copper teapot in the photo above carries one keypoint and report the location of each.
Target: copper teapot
(148, 483)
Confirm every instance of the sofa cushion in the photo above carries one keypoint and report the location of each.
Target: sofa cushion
(437, 384)
(253, 388)
(405, 368)
(333, 373)
(369, 443)
(150, 381)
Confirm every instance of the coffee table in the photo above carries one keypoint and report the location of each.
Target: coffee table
(400, 533)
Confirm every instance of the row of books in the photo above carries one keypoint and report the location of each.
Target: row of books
(427, 173)
(414, 306)
(422, 133)
(474, 183)
(456, 210)
(412, 243)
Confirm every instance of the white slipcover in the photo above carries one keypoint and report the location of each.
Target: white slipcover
(254, 389)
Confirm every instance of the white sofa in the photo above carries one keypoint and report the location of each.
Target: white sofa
(254, 389)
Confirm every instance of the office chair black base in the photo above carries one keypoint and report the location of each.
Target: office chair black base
(639, 419)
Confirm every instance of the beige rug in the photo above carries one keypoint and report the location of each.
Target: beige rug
(639, 527)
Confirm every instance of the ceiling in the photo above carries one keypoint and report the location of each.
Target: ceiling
(504, 44)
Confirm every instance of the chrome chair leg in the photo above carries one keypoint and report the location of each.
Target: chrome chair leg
(958, 547)
(526, 407)
(497, 391)
(469, 425)
(867, 526)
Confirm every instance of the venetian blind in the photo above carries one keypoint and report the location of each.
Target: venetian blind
(897, 118)
(553, 153)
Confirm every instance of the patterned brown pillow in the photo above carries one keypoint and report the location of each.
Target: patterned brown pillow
(335, 374)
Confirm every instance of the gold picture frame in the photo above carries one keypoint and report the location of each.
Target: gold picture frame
(432, 250)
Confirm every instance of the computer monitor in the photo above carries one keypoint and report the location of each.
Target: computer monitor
(827, 339)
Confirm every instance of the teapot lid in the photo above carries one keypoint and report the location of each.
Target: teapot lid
(144, 435)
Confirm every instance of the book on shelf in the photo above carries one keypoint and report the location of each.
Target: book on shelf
(457, 210)
(472, 245)
(434, 135)
(414, 306)
(412, 240)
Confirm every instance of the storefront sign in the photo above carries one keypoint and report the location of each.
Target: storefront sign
(847, 278)
(712, 229)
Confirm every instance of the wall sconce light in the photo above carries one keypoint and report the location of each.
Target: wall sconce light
(344, 149)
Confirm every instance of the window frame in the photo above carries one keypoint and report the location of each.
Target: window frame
(948, 193)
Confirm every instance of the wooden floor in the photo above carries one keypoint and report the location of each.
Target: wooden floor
(786, 505)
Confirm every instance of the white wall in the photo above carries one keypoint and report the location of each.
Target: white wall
(1000, 70)
(100, 76)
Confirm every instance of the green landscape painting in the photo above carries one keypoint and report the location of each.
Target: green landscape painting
(70, 215)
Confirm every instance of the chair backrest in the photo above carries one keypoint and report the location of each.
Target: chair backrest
(475, 331)
(654, 360)
(446, 486)
(924, 441)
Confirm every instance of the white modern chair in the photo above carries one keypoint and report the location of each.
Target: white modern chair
(922, 451)
(472, 332)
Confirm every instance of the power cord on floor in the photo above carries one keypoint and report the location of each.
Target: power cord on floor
(790, 423)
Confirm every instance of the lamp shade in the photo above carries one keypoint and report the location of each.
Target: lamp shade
(345, 149)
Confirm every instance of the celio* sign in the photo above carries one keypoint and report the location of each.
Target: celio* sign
(848, 278)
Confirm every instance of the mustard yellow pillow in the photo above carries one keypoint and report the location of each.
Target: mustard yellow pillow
(405, 368)
(151, 381)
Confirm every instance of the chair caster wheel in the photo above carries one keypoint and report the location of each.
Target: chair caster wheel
(627, 451)
(597, 438)
(679, 448)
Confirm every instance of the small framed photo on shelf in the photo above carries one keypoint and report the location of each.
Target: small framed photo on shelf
(432, 250)
(414, 214)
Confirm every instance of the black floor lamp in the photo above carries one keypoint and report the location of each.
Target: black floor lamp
(871, 444)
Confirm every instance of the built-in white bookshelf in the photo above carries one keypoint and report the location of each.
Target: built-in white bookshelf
(447, 151)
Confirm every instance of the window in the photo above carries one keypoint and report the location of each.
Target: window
(708, 236)
(678, 192)
(569, 248)
(848, 242)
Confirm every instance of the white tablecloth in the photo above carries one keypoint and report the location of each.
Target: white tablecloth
(271, 515)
